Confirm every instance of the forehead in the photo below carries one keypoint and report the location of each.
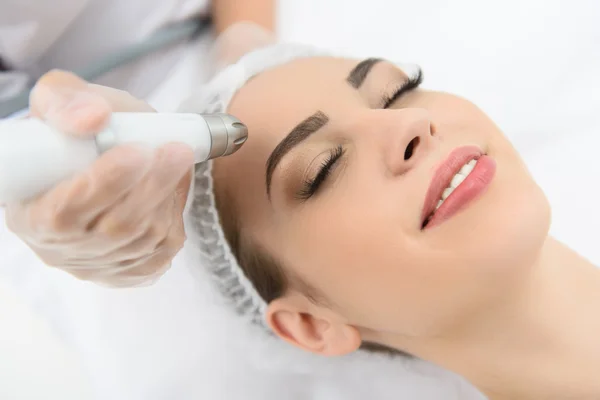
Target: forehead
(285, 95)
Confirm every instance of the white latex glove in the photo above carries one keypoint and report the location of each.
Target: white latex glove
(119, 223)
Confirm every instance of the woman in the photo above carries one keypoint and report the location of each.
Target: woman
(460, 291)
(376, 212)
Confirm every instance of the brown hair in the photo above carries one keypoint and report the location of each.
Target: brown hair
(264, 272)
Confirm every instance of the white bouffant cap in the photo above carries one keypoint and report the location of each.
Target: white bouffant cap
(259, 53)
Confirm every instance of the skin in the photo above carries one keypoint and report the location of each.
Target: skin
(228, 12)
(475, 294)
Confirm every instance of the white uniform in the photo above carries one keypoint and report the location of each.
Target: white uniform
(533, 66)
(36, 36)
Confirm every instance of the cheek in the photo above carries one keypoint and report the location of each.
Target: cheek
(356, 250)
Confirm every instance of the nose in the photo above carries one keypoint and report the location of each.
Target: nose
(403, 137)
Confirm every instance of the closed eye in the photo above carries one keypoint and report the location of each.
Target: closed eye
(312, 185)
(411, 83)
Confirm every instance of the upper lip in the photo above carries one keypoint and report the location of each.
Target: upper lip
(444, 174)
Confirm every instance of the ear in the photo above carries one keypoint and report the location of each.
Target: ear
(300, 322)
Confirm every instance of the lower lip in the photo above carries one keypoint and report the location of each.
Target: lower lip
(472, 187)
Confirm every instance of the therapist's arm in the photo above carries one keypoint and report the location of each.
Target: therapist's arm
(227, 12)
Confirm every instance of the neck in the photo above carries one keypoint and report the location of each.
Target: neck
(543, 344)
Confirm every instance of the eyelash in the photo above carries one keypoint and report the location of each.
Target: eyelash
(311, 186)
(411, 83)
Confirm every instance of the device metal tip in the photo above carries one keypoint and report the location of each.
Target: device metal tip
(237, 133)
(227, 132)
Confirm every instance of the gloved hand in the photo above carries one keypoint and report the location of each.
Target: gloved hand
(120, 223)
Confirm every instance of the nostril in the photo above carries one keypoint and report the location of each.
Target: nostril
(432, 129)
(410, 149)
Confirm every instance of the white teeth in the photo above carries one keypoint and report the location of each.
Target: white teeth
(447, 192)
(439, 204)
(466, 169)
(457, 180)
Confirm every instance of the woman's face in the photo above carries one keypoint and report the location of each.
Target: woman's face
(341, 200)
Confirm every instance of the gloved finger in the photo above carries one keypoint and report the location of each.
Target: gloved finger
(183, 191)
(148, 269)
(150, 239)
(119, 281)
(120, 100)
(66, 102)
(77, 107)
(89, 246)
(167, 236)
(154, 265)
(133, 273)
(138, 272)
(70, 208)
(171, 163)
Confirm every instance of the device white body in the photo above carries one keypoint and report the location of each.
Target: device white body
(35, 157)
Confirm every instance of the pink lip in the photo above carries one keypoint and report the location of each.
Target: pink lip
(475, 184)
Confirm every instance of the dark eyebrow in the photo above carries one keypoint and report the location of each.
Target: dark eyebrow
(310, 125)
(357, 76)
(303, 130)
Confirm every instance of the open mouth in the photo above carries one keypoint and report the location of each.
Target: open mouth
(463, 176)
